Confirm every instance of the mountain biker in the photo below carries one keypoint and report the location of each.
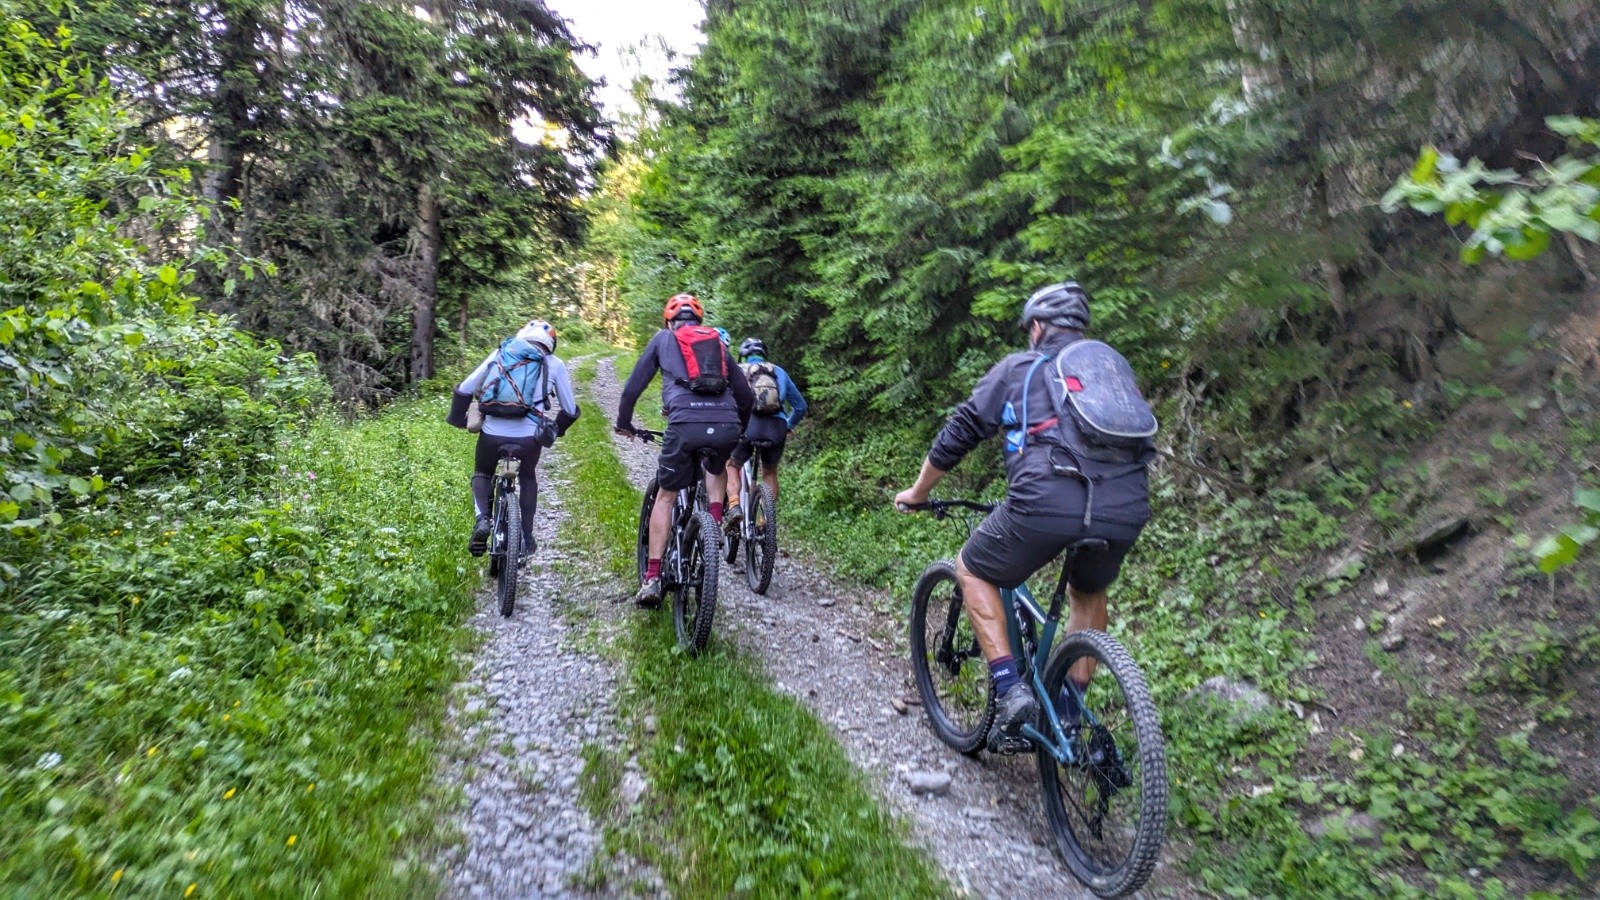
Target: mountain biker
(525, 435)
(1045, 508)
(706, 410)
(772, 426)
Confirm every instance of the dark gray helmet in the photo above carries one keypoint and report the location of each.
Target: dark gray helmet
(752, 347)
(1063, 305)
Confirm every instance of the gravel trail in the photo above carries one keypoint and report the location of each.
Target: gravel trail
(539, 689)
(826, 643)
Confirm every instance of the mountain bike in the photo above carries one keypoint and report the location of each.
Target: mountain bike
(758, 528)
(689, 565)
(1102, 762)
(505, 536)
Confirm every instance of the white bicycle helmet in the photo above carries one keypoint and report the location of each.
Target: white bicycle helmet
(540, 334)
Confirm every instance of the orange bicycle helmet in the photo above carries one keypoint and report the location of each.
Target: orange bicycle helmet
(684, 306)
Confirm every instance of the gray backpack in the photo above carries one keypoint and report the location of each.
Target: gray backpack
(1103, 425)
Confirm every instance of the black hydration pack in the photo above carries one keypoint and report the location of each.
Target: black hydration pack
(1102, 426)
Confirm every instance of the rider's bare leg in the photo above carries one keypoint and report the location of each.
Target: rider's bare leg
(660, 522)
(1087, 611)
(984, 608)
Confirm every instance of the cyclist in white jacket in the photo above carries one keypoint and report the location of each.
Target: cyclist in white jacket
(522, 436)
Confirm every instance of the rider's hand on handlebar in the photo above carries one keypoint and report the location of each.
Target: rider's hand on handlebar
(908, 499)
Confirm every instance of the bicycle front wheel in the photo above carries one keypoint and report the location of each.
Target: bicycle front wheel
(1108, 810)
(952, 677)
(645, 508)
(694, 601)
(510, 545)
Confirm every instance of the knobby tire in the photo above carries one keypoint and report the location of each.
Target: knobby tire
(511, 550)
(1113, 872)
(963, 733)
(645, 508)
(694, 602)
(761, 547)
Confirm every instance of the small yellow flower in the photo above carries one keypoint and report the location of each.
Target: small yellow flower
(189, 891)
(151, 752)
(226, 717)
(1406, 403)
(236, 703)
(291, 840)
(1166, 364)
(311, 787)
(116, 876)
(230, 793)
(137, 601)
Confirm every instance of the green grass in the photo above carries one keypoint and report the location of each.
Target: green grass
(750, 793)
(235, 689)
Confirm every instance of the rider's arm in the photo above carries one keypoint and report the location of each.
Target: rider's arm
(927, 479)
(569, 411)
(974, 421)
(791, 396)
(643, 371)
(465, 391)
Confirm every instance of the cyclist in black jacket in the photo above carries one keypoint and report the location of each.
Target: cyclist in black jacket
(1043, 511)
(697, 423)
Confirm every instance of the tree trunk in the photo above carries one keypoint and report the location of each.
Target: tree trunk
(427, 239)
(463, 329)
(230, 119)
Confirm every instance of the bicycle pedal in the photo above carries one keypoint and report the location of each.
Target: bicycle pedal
(1010, 745)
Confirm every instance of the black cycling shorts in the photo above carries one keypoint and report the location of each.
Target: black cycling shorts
(684, 442)
(770, 430)
(1008, 547)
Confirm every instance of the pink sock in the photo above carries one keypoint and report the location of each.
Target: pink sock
(652, 569)
(716, 513)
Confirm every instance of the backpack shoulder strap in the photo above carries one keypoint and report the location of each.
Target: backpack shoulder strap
(1027, 382)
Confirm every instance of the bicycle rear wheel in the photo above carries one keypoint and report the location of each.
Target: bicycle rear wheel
(645, 509)
(694, 601)
(761, 545)
(952, 677)
(1109, 811)
(509, 544)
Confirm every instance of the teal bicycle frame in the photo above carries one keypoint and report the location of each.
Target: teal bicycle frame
(1019, 602)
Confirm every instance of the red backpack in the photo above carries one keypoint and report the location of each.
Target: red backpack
(703, 356)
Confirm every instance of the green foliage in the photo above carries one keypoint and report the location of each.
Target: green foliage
(79, 298)
(236, 683)
(1510, 214)
(1564, 547)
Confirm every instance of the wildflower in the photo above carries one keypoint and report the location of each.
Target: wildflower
(189, 891)
(311, 787)
(116, 876)
(1262, 614)
(230, 793)
(291, 840)
(226, 717)
(1166, 364)
(236, 703)
(151, 752)
(1406, 403)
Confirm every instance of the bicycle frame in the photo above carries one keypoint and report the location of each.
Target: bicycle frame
(505, 487)
(1019, 602)
(683, 510)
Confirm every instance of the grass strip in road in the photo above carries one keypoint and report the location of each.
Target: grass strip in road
(750, 793)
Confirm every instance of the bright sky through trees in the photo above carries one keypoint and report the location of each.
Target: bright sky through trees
(618, 27)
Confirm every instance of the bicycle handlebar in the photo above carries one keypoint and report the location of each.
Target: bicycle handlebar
(646, 435)
(942, 508)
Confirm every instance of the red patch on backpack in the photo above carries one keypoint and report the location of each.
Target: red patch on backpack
(1074, 385)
